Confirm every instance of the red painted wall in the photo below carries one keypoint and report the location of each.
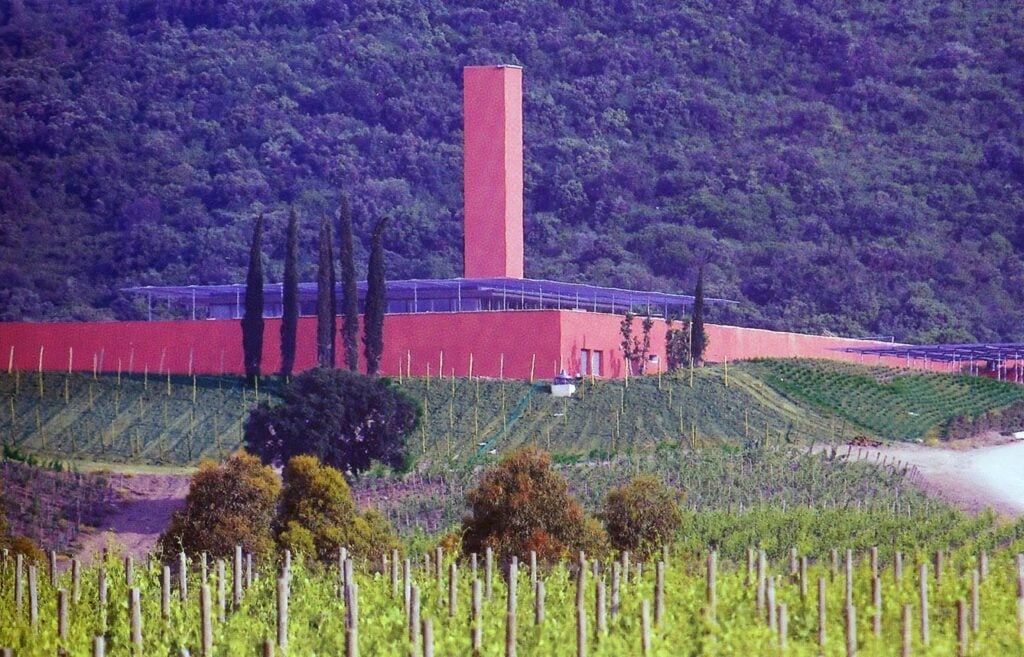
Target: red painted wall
(493, 171)
(213, 346)
(511, 344)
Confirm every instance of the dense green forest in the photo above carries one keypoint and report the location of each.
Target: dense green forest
(852, 167)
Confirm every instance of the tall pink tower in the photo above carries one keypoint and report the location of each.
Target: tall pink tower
(493, 171)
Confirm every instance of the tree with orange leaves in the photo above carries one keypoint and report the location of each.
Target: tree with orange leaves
(521, 505)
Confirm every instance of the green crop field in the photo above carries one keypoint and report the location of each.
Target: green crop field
(713, 478)
(151, 420)
(684, 601)
(896, 404)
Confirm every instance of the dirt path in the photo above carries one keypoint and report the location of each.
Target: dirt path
(145, 512)
(973, 479)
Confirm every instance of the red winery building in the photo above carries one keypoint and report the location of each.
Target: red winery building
(492, 322)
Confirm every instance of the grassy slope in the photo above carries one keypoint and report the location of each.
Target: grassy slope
(152, 423)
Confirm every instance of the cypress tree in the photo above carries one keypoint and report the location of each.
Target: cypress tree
(698, 341)
(252, 320)
(326, 312)
(373, 324)
(349, 292)
(290, 297)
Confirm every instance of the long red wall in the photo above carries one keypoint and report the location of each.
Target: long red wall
(510, 344)
(501, 344)
(732, 343)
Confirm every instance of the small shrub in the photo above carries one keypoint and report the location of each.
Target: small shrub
(520, 505)
(227, 505)
(317, 515)
(642, 515)
(25, 546)
(373, 537)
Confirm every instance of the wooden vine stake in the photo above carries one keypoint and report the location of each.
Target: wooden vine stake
(477, 630)
(135, 606)
(205, 622)
(488, 571)
(99, 646)
(19, 583)
(848, 572)
(616, 585)
(236, 576)
(581, 629)
(961, 628)
(282, 614)
(76, 580)
(760, 580)
(821, 614)
(351, 614)
(923, 594)
(394, 573)
(183, 577)
(510, 615)
(165, 593)
(428, 638)
(876, 602)
(62, 615)
(33, 598)
(414, 619)
(975, 602)
(851, 631)
(453, 589)
(659, 592)
(221, 592)
(645, 627)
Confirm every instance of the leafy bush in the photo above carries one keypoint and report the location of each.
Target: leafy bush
(227, 505)
(26, 546)
(641, 515)
(317, 515)
(373, 536)
(520, 505)
(345, 419)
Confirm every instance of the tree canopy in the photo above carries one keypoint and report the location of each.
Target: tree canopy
(522, 505)
(345, 419)
(856, 167)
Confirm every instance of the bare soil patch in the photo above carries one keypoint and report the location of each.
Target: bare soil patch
(144, 512)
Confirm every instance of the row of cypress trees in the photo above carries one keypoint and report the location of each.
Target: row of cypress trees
(326, 305)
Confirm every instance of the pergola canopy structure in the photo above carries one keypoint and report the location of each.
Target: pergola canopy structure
(1001, 360)
(434, 295)
(994, 352)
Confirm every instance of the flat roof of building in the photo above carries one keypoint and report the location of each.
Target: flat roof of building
(458, 294)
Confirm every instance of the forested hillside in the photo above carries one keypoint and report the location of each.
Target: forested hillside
(855, 167)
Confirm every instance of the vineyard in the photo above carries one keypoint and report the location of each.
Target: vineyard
(712, 478)
(684, 601)
(53, 508)
(893, 403)
(178, 420)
